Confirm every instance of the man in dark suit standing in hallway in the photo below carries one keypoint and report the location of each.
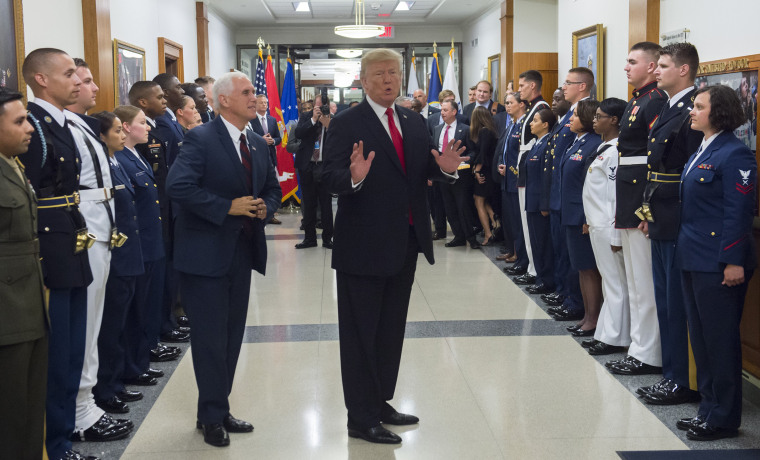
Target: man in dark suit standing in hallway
(265, 126)
(483, 91)
(225, 188)
(378, 158)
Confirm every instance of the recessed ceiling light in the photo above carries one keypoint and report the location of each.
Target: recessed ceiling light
(301, 7)
(404, 6)
(349, 54)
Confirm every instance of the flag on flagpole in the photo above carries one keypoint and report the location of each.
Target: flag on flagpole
(412, 86)
(450, 80)
(285, 165)
(435, 80)
(289, 102)
(259, 82)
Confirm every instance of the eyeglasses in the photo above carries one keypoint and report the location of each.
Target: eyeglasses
(599, 117)
(568, 83)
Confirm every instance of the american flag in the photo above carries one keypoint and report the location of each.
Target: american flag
(260, 83)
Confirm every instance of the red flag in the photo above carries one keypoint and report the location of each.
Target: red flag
(285, 167)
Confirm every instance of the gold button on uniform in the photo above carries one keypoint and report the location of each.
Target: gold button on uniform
(634, 181)
(701, 179)
(712, 233)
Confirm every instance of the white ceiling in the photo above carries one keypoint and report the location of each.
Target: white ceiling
(247, 13)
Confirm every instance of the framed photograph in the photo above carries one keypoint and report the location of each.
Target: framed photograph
(12, 45)
(128, 68)
(494, 75)
(588, 51)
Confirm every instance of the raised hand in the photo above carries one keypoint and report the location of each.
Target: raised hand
(360, 165)
(450, 159)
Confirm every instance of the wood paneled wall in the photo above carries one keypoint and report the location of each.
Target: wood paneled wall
(98, 49)
(546, 63)
(201, 20)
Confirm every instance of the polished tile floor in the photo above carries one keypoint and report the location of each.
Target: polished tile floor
(490, 375)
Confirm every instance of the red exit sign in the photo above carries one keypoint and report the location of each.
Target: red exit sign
(389, 32)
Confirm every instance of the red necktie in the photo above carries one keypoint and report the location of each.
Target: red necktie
(398, 141)
(445, 138)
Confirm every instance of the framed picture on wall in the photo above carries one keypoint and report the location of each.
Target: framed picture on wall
(588, 51)
(128, 68)
(494, 75)
(12, 45)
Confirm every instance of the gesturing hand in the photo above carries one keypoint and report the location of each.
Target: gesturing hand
(450, 159)
(360, 165)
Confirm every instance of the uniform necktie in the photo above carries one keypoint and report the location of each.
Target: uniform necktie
(264, 125)
(245, 157)
(398, 141)
(696, 158)
(445, 137)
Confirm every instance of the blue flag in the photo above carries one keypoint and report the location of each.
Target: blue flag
(260, 83)
(435, 85)
(288, 100)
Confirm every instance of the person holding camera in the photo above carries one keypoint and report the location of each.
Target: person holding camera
(311, 130)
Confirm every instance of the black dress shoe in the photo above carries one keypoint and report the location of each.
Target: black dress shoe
(676, 394)
(589, 343)
(583, 333)
(303, 245)
(455, 243)
(567, 315)
(175, 336)
(474, 244)
(524, 279)
(707, 432)
(552, 296)
(602, 348)
(515, 270)
(105, 429)
(573, 328)
(183, 321)
(215, 434)
(327, 244)
(155, 372)
(634, 367)
(129, 396)
(554, 310)
(397, 418)
(538, 289)
(234, 425)
(614, 362)
(377, 434)
(74, 455)
(143, 380)
(162, 354)
(554, 301)
(184, 329)
(113, 405)
(658, 387)
(438, 236)
(685, 424)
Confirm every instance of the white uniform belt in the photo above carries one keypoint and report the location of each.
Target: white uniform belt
(96, 194)
(630, 161)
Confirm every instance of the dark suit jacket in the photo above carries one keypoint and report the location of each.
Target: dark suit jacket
(462, 134)
(435, 120)
(126, 260)
(467, 110)
(432, 110)
(54, 171)
(208, 116)
(372, 222)
(500, 123)
(273, 131)
(308, 134)
(203, 181)
(170, 132)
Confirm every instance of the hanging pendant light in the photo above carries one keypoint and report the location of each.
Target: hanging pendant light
(359, 29)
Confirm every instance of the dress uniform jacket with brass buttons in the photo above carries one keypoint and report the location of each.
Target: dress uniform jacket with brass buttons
(671, 143)
(572, 177)
(126, 260)
(559, 140)
(53, 170)
(640, 114)
(154, 153)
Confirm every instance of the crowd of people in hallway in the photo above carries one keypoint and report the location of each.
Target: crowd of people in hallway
(631, 219)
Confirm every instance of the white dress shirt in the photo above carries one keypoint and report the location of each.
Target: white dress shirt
(235, 136)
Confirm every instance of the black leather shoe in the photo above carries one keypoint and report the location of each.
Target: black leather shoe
(474, 244)
(233, 425)
(377, 434)
(554, 310)
(175, 336)
(567, 315)
(676, 394)
(552, 296)
(303, 245)
(524, 279)
(583, 333)
(397, 418)
(658, 387)
(184, 329)
(601, 348)
(183, 321)
(634, 367)
(215, 434)
(74, 455)
(143, 380)
(515, 270)
(113, 405)
(129, 396)
(538, 289)
(614, 362)
(155, 372)
(589, 343)
(105, 429)
(327, 244)
(554, 301)
(685, 424)
(455, 243)
(707, 432)
(573, 328)
(163, 353)
(438, 236)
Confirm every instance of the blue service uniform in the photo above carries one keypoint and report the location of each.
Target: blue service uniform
(539, 226)
(510, 199)
(718, 201)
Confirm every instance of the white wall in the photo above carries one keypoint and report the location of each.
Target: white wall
(487, 30)
(221, 45)
(613, 14)
(535, 26)
(728, 29)
(43, 26)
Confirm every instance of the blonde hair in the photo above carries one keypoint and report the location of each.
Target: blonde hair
(126, 113)
(379, 55)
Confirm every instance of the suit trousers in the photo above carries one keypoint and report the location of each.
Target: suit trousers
(539, 229)
(458, 201)
(22, 398)
(671, 313)
(561, 258)
(506, 222)
(313, 192)
(614, 326)
(217, 308)
(526, 231)
(141, 325)
(371, 322)
(100, 265)
(170, 298)
(120, 290)
(437, 207)
(714, 313)
(515, 221)
(68, 321)
(645, 330)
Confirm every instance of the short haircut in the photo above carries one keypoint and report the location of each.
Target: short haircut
(379, 55)
(36, 62)
(401, 99)
(444, 94)
(190, 88)
(106, 120)
(586, 110)
(79, 62)
(613, 107)
(141, 90)
(547, 116)
(223, 85)
(164, 79)
(726, 111)
(126, 113)
(534, 76)
(473, 88)
(262, 96)
(490, 88)
(453, 105)
(649, 48)
(586, 75)
(683, 53)
(6, 96)
(203, 81)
